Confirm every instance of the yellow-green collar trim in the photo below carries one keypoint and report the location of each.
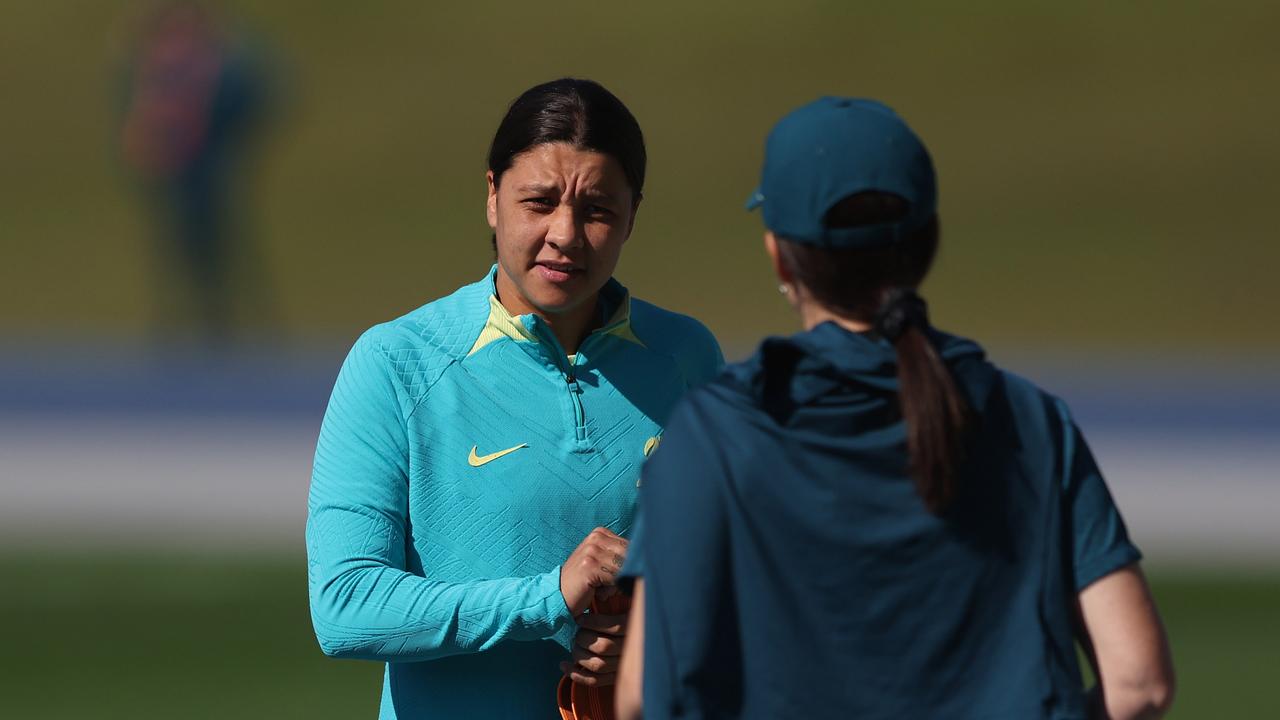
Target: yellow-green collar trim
(502, 324)
(620, 324)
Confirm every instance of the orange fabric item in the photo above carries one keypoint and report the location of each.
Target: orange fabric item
(581, 702)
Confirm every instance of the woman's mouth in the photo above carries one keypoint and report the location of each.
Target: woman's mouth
(557, 272)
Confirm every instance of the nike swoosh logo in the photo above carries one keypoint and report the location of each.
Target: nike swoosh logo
(477, 460)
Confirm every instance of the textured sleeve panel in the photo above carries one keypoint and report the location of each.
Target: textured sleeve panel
(363, 602)
(1100, 543)
(420, 346)
(681, 337)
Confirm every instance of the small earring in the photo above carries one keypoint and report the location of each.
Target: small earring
(784, 289)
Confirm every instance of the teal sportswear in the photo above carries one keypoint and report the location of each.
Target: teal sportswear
(462, 458)
(783, 491)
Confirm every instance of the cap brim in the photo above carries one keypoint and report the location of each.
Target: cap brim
(756, 200)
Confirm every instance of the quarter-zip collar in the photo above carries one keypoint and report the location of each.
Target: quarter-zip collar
(614, 305)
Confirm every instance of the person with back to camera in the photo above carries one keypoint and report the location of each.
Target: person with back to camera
(478, 461)
(868, 519)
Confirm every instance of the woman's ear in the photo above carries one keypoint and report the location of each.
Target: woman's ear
(491, 206)
(779, 267)
(631, 222)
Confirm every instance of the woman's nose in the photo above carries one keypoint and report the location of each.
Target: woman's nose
(563, 231)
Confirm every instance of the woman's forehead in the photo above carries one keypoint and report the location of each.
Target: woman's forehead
(561, 166)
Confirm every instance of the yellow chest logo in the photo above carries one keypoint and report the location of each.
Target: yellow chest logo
(649, 446)
(477, 460)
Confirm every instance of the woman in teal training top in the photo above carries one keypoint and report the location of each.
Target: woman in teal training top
(868, 519)
(477, 466)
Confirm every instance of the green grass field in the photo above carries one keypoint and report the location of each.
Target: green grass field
(1107, 169)
(199, 637)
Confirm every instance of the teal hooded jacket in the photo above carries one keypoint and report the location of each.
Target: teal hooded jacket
(462, 458)
(791, 570)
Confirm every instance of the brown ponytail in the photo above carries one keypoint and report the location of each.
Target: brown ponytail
(932, 408)
(876, 285)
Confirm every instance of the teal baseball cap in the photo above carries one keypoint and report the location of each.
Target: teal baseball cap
(835, 147)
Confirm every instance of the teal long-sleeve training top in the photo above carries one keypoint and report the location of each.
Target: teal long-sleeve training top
(462, 457)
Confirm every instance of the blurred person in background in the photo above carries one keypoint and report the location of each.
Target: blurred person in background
(478, 461)
(867, 518)
(196, 100)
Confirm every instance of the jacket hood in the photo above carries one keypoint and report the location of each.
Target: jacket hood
(828, 358)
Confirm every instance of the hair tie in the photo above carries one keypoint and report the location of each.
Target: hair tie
(902, 309)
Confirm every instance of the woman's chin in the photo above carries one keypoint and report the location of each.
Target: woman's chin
(559, 297)
(556, 306)
(557, 301)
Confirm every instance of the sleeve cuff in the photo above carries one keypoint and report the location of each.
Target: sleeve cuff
(1102, 566)
(560, 623)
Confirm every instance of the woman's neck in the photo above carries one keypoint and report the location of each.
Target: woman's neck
(813, 315)
(570, 326)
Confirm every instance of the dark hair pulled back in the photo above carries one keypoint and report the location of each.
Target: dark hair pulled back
(877, 285)
(570, 110)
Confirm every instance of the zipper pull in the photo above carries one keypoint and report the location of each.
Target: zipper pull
(570, 374)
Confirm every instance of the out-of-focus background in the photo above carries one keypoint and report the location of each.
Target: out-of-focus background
(201, 206)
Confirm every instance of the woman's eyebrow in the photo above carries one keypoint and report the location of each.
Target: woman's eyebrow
(538, 189)
(543, 189)
(594, 194)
